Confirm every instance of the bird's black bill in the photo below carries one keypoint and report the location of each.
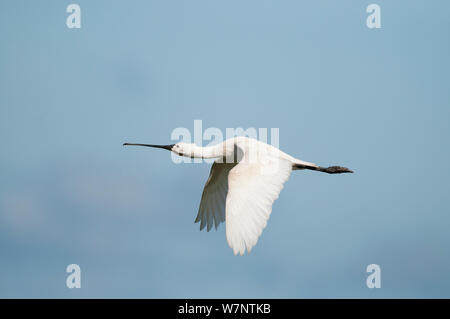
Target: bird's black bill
(166, 147)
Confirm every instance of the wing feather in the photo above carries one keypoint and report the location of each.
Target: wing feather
(242, 195)
(253, 187)
(212, 205)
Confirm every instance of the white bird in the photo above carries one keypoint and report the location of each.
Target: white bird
(245, 179)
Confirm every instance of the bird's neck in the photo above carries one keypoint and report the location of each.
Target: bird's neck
(215, 151)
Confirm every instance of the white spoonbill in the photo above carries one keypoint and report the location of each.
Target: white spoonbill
(245, 179)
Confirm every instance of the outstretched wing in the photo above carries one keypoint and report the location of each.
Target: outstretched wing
(212, 204)
(253, 187)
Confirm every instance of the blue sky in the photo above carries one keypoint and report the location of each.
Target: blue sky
(376, 101)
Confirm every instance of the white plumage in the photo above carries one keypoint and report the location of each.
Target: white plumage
(246, 177)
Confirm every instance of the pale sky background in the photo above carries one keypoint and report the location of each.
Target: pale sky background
(376, 101)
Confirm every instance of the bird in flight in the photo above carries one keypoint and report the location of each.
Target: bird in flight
(245, 179)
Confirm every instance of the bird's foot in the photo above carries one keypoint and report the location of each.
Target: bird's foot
(336, 170)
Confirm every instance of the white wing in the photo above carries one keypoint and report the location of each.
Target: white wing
(212, 204)
(253, 187)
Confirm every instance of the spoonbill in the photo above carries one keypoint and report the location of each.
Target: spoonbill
(245, 179)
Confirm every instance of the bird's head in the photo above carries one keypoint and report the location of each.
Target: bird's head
(182, 149)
